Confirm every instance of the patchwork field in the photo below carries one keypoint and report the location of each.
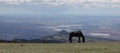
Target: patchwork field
(102, 47)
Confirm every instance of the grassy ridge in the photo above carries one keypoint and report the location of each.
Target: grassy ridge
(103, 47)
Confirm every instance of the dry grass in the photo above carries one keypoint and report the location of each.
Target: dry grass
(103, 47)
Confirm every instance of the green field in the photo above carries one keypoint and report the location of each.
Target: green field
(102, 47)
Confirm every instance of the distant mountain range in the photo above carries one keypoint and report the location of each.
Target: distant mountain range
(60, 37)
(63, 36)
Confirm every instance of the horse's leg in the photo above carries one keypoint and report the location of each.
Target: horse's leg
(70, 39)
(79, 38)
(83, 39)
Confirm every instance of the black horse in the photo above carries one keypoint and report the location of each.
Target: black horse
(78, 34)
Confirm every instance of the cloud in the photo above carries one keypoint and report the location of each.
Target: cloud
(67, 27)
(83, 3)
(115, 1)
(14, 1)
(100, 35)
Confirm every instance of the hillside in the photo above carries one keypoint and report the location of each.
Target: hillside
(99, 47)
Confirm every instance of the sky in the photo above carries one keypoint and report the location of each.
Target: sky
(60, 7)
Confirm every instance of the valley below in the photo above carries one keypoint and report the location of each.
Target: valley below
(42, 29)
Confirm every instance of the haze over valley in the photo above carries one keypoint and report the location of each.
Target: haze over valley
(37, 27)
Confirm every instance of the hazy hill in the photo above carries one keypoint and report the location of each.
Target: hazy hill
(63, 36)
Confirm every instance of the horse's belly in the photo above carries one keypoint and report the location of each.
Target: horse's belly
(76, 35)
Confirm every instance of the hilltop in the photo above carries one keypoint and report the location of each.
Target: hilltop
(99, 47)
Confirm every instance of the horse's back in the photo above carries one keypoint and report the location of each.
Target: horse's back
(76, 34)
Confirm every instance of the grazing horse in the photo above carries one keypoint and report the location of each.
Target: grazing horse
(78, 34)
